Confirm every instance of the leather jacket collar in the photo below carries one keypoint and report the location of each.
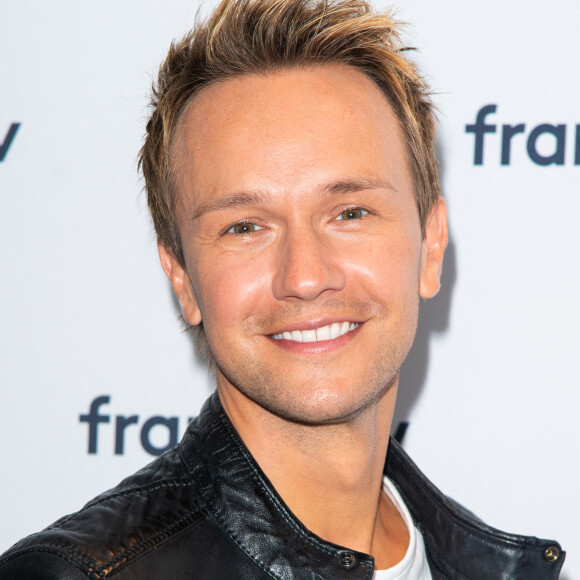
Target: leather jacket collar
(458, 544)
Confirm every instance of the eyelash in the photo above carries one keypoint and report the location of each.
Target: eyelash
(230, 230)
(353, 209)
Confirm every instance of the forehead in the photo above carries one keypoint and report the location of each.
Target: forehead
(289, 129)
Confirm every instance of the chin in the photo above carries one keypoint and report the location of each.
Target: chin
(321, 407)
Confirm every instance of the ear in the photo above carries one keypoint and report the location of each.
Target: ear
(434, 244)
(181, 285)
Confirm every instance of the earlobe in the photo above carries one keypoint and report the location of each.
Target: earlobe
(181, 285)
(434, 245)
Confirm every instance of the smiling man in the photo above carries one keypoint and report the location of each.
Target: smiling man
(291, 177)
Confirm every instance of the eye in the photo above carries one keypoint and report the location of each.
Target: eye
(352, 213)
(243, 228)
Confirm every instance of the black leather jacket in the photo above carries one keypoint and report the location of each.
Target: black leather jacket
(205, 510)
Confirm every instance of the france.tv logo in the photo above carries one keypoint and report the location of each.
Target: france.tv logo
(559, 133)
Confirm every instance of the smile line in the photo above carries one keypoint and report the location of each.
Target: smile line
(328, 332)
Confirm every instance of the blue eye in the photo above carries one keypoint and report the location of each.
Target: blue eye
(243, 228)
(353, 213)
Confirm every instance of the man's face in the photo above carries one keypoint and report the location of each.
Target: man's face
(302, 242)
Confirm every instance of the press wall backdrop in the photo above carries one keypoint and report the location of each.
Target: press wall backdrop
(87, 319)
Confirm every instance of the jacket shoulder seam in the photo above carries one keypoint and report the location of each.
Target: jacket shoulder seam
(121, 560)
(142, 547)
(70, 554)
(180, 482)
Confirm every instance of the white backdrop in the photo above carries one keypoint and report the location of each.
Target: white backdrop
(490, 387)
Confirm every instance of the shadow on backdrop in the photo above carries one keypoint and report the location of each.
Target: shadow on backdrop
(433, 318)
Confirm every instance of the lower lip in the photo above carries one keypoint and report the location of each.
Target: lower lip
(319, 347)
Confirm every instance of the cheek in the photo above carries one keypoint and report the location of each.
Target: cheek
(229, 288)
(389, 266)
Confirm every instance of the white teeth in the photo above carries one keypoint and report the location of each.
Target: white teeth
(323, 333)
(328, 332)
(334, 330)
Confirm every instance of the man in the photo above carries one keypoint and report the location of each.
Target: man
(291, 177)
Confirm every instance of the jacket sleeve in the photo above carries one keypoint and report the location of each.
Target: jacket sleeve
(40, 565)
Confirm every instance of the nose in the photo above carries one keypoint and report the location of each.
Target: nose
(307, 266)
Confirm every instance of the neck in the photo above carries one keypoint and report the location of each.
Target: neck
(340, 465)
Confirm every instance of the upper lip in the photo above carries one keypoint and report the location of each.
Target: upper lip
(313, 324)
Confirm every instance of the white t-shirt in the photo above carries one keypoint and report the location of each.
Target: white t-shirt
(414, 564)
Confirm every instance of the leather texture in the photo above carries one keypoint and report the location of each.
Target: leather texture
(206, 510)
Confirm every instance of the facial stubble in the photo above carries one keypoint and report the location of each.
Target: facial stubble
(323, 400)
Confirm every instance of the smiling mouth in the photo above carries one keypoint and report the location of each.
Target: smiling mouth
(328, 332)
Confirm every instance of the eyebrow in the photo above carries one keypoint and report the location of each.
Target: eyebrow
(352, 185)
(247, 198)
(238, 199)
